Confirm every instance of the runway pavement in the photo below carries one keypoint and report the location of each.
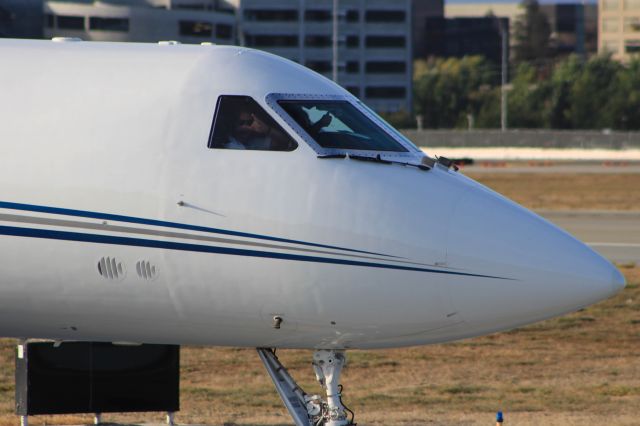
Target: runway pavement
(615, 235)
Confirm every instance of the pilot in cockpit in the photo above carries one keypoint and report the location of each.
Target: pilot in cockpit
(250, 131)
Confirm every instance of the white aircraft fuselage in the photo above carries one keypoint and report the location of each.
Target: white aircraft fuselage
(119, 223)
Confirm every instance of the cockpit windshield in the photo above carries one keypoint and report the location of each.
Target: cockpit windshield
(340, 125)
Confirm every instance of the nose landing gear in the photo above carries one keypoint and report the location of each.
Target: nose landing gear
(311, 410)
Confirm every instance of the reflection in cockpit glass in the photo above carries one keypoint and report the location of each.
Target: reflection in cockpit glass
(339, 125)
(336, 125)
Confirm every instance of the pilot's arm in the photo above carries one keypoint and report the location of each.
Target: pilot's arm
(278, 140)
(324, 121)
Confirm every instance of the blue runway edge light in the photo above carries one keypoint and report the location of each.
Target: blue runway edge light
(499, 417)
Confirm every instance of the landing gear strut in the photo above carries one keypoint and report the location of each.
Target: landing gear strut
(311, 410)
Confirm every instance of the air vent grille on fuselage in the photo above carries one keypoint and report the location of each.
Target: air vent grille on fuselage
(146, 270)
(111, 269)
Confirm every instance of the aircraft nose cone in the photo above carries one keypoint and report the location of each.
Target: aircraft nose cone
(539, 270)
(617, 282)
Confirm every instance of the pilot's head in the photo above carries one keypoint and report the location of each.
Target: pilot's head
(248, 125)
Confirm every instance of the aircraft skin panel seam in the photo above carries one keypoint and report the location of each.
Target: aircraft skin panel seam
(139, 242)
(32, 220)
(155, 222)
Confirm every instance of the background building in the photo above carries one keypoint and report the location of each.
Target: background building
(574, 26)
(187, 21)
(423, 9)
(619, 28)
(510, 10)
(458, 37)
(374, 53)
(21, 18)
(374, 49)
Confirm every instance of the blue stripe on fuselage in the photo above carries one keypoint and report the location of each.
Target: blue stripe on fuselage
(142, 221)
(169, 245)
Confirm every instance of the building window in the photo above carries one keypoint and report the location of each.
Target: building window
(632, 46)
(354, 90)
(70, 22)
(224, 31)
(49, 21)
(317, 15)
(319, 66)
(108, 24)
(384, 67)
(385, 92)
(353, 67)
(610, 4)
(196, 29)
(385, 16)
(317, 41)
(271, 40)
(610, 25)
(196, 6)
(222, 8)
(631, 25)
(271, 15)
(610, 46)
(565, 17)
(631, 4)
(353, 41)
(385, 41)
(216, 5)
(352, 16)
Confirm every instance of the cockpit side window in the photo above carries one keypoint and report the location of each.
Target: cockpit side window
(338, 124)
(240, 123)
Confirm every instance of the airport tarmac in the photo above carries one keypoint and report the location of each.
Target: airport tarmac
(615, 235)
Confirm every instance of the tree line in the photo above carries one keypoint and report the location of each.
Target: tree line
(465, 92)
(546, 90)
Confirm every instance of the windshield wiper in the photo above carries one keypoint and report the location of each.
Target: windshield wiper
(328, 156)
(376, 159)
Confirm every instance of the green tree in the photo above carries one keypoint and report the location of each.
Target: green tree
(532, 33)
(526, 98)
(592, 92)
(600, 93)
(399, 119)
(558, 107)
(486, 101)
(443, 88)
(624, 104)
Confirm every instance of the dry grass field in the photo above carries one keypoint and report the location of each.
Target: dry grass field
(558, 191)
(581, 369)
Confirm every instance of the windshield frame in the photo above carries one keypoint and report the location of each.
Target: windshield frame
(411, 150)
